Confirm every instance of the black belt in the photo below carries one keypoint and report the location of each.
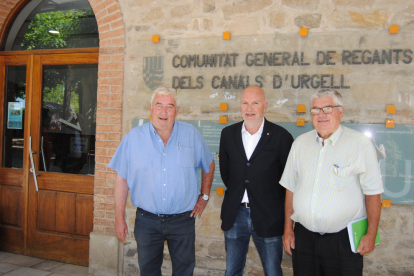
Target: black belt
(245, 204)
(162, 215)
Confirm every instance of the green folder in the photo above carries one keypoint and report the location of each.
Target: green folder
(358, 228)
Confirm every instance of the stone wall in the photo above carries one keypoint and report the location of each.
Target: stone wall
(179, 21)
(124, 24)
(332, 24)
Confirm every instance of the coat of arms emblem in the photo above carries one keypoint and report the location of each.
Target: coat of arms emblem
(153, 70)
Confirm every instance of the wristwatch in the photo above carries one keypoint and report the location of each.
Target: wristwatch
(204, 196)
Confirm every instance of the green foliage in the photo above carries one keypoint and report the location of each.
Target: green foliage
(68, 23)
(56, 95)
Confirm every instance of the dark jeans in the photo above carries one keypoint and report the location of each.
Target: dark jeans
(325, 255)
(237, 244)
(150, 233)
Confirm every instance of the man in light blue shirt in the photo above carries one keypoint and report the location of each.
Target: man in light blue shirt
(331, 177)
(158, 163)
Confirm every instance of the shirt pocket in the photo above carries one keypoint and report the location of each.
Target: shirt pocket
(186, 157)
(340, 177)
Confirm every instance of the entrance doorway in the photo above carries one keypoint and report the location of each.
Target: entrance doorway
(47, 152)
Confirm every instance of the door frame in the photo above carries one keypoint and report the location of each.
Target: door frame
(33, 60)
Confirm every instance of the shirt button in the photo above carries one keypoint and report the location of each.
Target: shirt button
(164, 170)
(164, 154)
(248, 164)
(164, 184)
(164, 199)
(247, 181)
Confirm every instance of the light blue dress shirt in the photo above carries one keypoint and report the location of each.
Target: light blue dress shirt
(162, 180)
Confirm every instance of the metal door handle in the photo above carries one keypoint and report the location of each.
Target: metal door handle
(33, 169)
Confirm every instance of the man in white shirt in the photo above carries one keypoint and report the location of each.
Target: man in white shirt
(253, 154)
(331, 177)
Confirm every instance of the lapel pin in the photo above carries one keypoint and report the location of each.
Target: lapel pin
(268, 133)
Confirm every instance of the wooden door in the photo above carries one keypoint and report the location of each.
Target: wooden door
(59, 133)
(14, 165)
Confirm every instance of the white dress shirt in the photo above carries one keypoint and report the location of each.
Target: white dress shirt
(249, 143)
(329, 182)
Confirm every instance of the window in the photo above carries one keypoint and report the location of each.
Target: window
(57, 24)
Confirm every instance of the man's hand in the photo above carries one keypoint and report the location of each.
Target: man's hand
(121, 229)
(199, 207)
(289, 235)
(289, 241)
(373, 205)
(366, 245)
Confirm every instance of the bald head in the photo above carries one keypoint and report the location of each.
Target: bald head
(254, 90)
(253, 106)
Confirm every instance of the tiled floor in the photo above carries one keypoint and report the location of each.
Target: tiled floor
(19, 265)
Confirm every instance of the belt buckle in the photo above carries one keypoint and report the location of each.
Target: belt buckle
(246, 204)
(162, 216)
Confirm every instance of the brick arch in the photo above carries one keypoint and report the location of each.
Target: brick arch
(110, 91)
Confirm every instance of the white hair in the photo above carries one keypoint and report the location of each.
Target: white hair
(161, 90)
(324, 93)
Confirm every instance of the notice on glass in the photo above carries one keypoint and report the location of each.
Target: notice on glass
(15, 115)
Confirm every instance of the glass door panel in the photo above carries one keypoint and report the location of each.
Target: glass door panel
(14, 109)
(68, 119)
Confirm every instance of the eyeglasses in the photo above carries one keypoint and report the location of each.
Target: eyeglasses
(326, 109)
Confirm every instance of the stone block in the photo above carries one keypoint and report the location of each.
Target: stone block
(243, 7)
(379, 92)
(130, 249)
(131, 267)
(252, 254)
(181, 11)
(302, 4)
(217, 250)
(139, 4)
(154, 15)
(308, 20)
(209, 224)
(103, 254)
(206, 24)
(277, 19)
(209, 6)
(245, 25)
(405, 245)
(401, 271)
(173, 26)
(404, 19)
(353, 3)
(216, 200)
(211, 263)
(195, 25)
(360, 20)
(254, 270)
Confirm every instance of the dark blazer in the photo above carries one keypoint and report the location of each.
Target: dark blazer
(260, 176)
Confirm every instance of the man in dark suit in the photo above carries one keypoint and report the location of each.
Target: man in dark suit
(253, 154)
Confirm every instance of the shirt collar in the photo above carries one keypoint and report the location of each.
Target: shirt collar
(333, 138)
(154, 132)
(259, 132)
